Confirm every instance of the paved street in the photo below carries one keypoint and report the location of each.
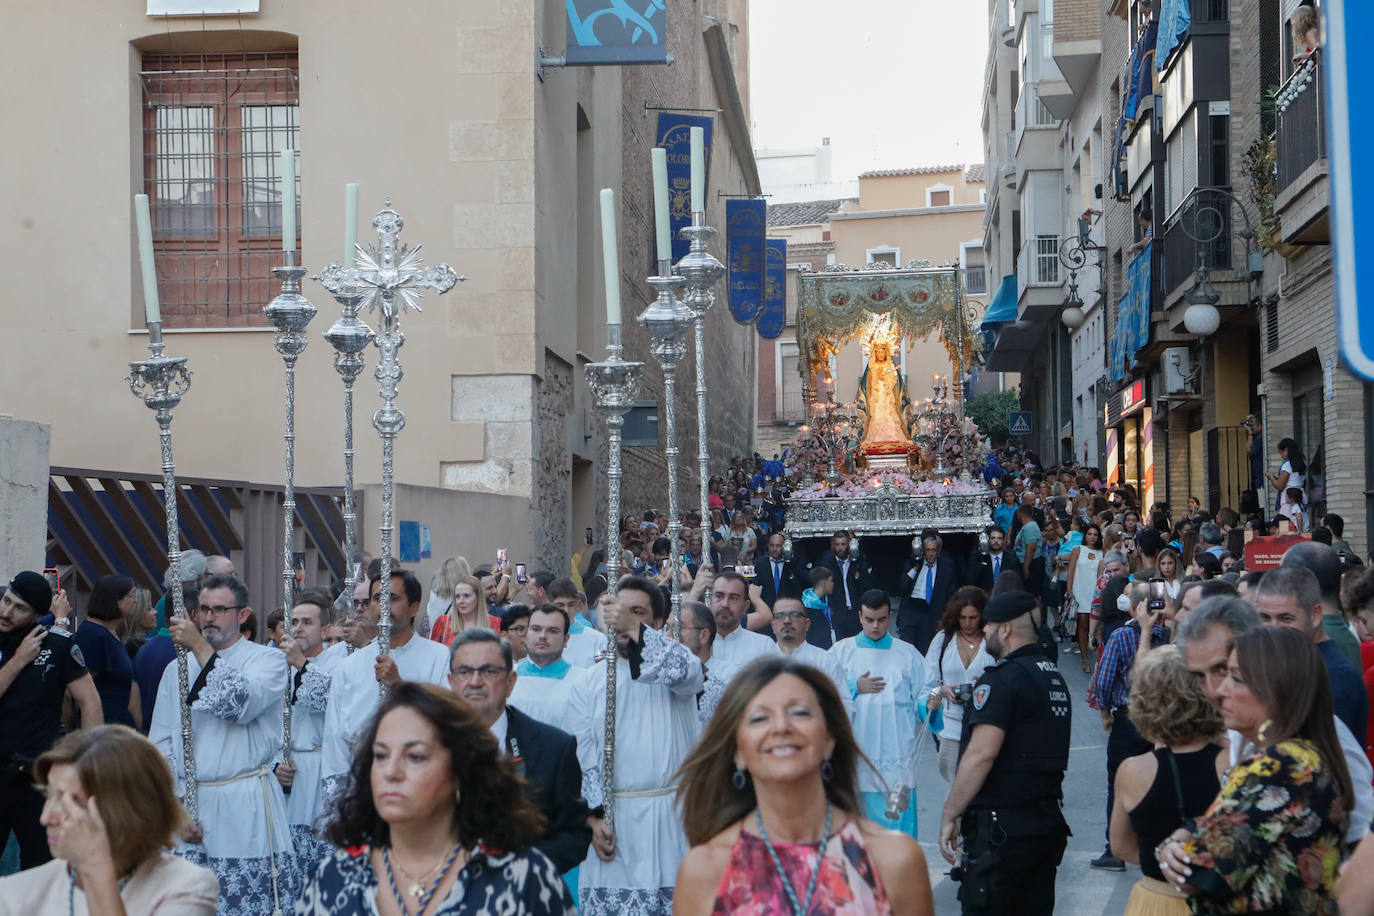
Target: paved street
(1080, 889)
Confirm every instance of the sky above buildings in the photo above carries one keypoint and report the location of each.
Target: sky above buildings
(892, 83)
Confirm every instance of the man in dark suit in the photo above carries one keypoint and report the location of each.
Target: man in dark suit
(544, 755)
(928, 583)
(774, 575)
(984, 568)
(853, 577)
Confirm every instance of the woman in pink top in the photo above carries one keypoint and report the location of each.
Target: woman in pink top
(769, 804)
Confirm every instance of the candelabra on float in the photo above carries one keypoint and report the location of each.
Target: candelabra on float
(349, 337)
(161, 381)
(613, 383)
(667, 320)
(834, 427)
(702, 272)
(289, 313)
(391, 277)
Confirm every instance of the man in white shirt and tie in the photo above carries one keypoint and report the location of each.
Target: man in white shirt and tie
(931, 582)
(775, 577)
(986, 567)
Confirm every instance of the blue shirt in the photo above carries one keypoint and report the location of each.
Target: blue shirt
(157, 653)
(1348, 692)
(111, 669)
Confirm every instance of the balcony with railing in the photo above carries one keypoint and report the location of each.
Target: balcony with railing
(1036, 140)
(788, 407)
(1039, 278)
(1207, 215)
(1302, 202)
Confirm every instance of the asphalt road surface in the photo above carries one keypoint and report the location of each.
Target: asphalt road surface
(1079, 888)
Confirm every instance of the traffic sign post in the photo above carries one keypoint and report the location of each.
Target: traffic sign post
(1019, 423)
(1350, 136)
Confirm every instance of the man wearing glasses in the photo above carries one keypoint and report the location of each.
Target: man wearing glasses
(354, 694)
(236, 725)
(790, 623)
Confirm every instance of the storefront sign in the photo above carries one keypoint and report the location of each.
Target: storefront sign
(1133, 397)
(602, 32)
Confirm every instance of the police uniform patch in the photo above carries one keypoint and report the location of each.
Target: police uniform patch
(76, 654)
(980, 695)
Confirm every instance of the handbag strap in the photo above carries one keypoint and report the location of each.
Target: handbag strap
(1178, 785)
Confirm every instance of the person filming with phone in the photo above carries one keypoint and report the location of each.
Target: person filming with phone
(38, 667)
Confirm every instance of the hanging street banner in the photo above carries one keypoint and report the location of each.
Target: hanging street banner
(675, 135)
(746, 226)
(610, 32)
(773, 318)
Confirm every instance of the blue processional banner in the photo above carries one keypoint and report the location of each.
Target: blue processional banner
(773, 318)
(609, 32)
(746, 228)
(675, 135)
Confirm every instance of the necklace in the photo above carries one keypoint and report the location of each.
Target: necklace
(417, 885)
(797, 908)
(417, 890)
(71, 888)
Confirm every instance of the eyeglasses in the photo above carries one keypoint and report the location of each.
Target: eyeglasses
(377, 598)
(521, 629)
(487, 672)
(789, 615)
(220, 610)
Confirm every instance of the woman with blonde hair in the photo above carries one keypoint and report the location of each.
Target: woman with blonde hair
(771, 809)
(111, 815)
(1158, 791)
(467, 610)
(454, 570)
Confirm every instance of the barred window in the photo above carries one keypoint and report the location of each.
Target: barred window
(213, 129)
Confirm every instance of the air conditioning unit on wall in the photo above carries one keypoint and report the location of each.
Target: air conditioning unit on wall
(1176, 367)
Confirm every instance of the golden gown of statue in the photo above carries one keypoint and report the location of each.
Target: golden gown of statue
(882, 398)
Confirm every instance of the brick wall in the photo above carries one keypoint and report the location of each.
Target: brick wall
(1077, 20)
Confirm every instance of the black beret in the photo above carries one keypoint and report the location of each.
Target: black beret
(34, 589)
(1009, 606)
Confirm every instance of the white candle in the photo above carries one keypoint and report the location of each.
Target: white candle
(350, 223)
(698, 169)
(144, 221)
(610, 256)
(288, 200)
(665, 239)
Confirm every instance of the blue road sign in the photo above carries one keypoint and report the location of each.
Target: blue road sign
(1019, 423)
(1350, 136)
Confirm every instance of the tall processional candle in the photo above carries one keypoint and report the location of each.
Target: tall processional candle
(288, 200)
(350, 223)
(661, 211)
(151, 312)
(698, 169)
(610, 257)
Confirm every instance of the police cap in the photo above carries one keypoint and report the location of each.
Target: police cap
(1009, 606)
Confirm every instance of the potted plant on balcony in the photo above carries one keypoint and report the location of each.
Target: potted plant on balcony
(1258, 166)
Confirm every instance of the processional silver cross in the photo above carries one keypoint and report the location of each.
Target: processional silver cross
(390, 279)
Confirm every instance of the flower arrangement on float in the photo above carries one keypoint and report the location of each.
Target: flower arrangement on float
(862, 485)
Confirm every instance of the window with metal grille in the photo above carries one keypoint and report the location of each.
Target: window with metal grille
(1047, 259)
(213, 129)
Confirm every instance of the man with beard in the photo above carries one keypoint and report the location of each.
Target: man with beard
(657, 680)
(546, 678)
(353, 694)
(853, 577)
(790, 623)
(1005, 801)
(37, 668)
(312, 665)
(236, 716)
(481, 673)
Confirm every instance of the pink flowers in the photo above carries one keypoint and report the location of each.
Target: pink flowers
(861, 486)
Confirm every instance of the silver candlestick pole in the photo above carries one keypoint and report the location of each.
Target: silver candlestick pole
(161, 381)
(667, 320)
(349, 337)
(702, 272)
(289, 313)
(392, 278)
(614, 384)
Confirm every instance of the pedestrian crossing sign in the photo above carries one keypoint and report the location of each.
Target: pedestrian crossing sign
(1019, 423)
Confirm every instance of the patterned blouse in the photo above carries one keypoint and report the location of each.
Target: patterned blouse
(1273, 839)
(492, 883)
(848, 885)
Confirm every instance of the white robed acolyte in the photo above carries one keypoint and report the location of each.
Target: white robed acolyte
(656, 725)
(236, 728)
(544, 693)
(886, 723)
(584, 642)
(304, 801)
(354, 698)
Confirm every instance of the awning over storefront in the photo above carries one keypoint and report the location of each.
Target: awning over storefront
(1002, 308)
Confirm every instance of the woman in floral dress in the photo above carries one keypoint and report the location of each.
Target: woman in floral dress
(1274, 838)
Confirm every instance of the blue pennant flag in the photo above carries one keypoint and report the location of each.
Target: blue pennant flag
(773, 318)
(610, 32)
(746, 227)
(675, 136)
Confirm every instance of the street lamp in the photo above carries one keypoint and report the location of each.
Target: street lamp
(1204, 222)
(1073, 255)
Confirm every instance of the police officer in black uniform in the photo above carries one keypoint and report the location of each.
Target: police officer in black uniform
(1005, 801)
(37, 668)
